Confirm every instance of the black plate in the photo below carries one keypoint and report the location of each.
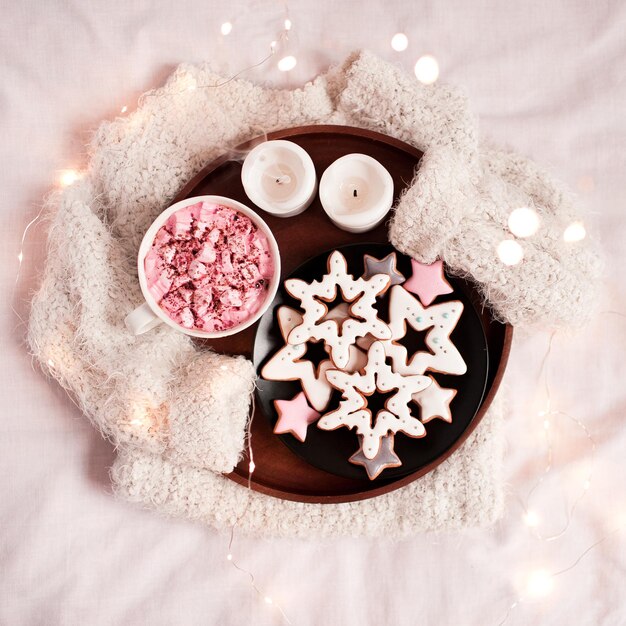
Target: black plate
(330, 450)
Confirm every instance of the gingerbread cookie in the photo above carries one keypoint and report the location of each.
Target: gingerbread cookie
(289, 364)
(294, 416)
(434, 402)
(386, 457)
(360, 292)
(353, 413)
(441, 318)
(427, 281)
(387, 265)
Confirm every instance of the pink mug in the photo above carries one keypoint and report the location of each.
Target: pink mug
(150, 314)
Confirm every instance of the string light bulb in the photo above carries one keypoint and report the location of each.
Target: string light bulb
(20, 256)
(226, 28)
(69, 177)
(539, 584)
(510, 252)
(287, 24)
(427, 69)
(575, 232)
(399, 42)
(229, 557)
(531, 518)
(50, 363)
(124, 109)
(523, 222)
(268, 600)
(286, 64)
(251, 467)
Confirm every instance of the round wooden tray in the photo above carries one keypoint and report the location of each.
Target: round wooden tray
(279, 472)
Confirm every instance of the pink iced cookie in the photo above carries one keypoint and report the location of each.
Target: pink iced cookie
(209, 267)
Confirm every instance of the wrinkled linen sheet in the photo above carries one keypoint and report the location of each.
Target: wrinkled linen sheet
(545, 78)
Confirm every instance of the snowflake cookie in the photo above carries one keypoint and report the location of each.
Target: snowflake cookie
(360, 292)
(290, 362)
(353, 412)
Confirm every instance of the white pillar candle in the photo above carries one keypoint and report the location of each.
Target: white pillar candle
(279, 177)
(356, 192)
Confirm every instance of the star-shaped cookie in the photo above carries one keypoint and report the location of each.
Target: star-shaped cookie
(387, 266)
(360, 292)
(443, 356)
(434, 402)
(288, 363)
(427, 281)
(294, 416)
(385, 458)
(353, 412)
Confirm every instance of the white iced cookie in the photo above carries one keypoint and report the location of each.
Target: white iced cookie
(360, 292)
(434, 402)
(353, 412)
(405, 309)
(358, 358)
(288, 364)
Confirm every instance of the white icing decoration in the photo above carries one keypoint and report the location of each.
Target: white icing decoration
(339, 337)
(353, 412)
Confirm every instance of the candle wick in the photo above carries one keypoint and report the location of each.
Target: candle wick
(354, 193)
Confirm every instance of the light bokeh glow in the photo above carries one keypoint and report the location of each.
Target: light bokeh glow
(524, 222)
(427, 69)
(539, 584)
(287, 63)
(575, 232)
(399, 42)
(510, 252)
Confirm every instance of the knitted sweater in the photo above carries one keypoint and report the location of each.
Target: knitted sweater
(178, 414)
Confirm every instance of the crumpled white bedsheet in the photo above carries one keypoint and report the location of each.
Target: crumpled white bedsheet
(545, 78)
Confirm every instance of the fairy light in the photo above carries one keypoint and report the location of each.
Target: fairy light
(510, 252)
(532, 519)
(523, 222)
(427, 69)
(50, 363)
(226, 28)
(124, 109)
(286, 64)
(229, 557)
(575, 232)
(69, 177)
(287, 24)
(539, 584)
(399, 42)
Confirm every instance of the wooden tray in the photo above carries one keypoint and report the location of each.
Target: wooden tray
(278, 471)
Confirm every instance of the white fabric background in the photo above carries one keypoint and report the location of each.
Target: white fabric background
(546, 78)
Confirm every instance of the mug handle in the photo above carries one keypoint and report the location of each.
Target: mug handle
(142, 319)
